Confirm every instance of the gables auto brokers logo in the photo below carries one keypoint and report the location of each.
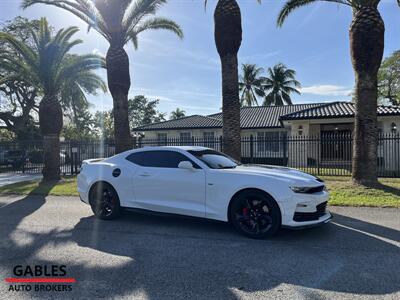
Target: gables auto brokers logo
(40, 278)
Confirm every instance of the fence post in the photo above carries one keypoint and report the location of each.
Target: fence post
(252, 149)
(220, 143)
(71, 157)
(134, 142)
(140, 142)
(318, 154)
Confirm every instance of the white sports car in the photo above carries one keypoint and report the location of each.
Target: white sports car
(201, 182)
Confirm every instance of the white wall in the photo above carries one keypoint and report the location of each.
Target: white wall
(297, 154)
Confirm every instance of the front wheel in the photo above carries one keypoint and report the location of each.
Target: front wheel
(104, 201)
(255, 214)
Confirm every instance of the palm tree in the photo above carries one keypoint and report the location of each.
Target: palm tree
(367, 33)
(251, 84)
(228, 38)
(48, 67)
(177, 113)
(279, 85)
(119, 22)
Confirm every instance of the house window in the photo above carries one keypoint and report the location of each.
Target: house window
(162, 139)
(208, 137)
(185, 137)
(300, 129)
(270, 141)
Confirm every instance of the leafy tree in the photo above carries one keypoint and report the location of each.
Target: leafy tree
(118, 22)
(177, 114)
(80, 123)
(367, 34)
(251, 84)
(389, 79)
(6, 135)
(18, 101)
(104, 125)
(279, 84)
(143, 111)
(48, 66)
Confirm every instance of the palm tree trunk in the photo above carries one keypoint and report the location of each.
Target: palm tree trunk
(119, 83)
(51, 122)
(228, 38)
(367, 44)
(230, 107)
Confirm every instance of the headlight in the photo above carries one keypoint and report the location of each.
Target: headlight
(308, 190)
(299, 189)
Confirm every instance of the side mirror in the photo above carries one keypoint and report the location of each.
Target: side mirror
(187, 165)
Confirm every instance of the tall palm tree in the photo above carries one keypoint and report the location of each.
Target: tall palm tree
(177, 113)
(118, 21)
(50, 68)
(228, 38)
(251, 84)
(367, 33)
(278, 86)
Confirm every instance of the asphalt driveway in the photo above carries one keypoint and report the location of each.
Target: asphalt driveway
(157, 257)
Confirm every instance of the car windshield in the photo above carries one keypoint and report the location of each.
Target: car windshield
(215, 159)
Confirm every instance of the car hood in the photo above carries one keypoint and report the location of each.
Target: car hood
(287, 174)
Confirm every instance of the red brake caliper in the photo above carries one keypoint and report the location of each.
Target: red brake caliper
(245, 211)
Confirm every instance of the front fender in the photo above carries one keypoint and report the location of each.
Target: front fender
(225, 186)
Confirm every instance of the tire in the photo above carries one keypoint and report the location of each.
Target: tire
(104, 201)
(255, 214)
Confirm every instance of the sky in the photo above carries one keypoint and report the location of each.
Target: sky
(186, 73)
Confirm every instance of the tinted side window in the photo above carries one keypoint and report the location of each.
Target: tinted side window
(158, 159)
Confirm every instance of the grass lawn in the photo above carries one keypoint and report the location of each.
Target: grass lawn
(65, 187)
(343, 192)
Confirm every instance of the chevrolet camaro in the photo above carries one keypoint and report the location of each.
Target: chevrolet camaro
(201, 182)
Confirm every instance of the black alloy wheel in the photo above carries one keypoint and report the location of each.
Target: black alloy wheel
(105, 202)
(255, 214)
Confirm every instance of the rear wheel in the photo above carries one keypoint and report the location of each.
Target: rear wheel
(104, 201)
(255, 214)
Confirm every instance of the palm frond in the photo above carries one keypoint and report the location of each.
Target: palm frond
(156, 23)
(76, 64)
(292, 5)
(89, 14)
(137, 10)
(27, 53)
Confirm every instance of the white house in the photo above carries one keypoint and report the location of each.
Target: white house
(302, 133)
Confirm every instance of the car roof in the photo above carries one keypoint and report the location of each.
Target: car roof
(185, 148)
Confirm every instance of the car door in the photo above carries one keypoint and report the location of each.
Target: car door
(159, 184)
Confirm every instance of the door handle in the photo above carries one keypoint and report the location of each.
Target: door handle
(144, 174)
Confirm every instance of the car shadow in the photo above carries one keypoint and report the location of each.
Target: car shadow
(336, 257)
(170, 257)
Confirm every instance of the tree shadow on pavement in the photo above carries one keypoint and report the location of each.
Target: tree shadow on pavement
(208, 259)
(173, 257)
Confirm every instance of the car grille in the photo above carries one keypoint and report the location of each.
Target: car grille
(313, 216)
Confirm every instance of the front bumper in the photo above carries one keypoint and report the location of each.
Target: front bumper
(321, 221)
(305, 210)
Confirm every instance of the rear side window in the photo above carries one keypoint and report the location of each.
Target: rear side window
(159, 159)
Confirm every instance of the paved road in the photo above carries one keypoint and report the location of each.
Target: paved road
(9, 178)
(152, 257)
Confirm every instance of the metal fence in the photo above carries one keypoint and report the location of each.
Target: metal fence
(327, 154)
